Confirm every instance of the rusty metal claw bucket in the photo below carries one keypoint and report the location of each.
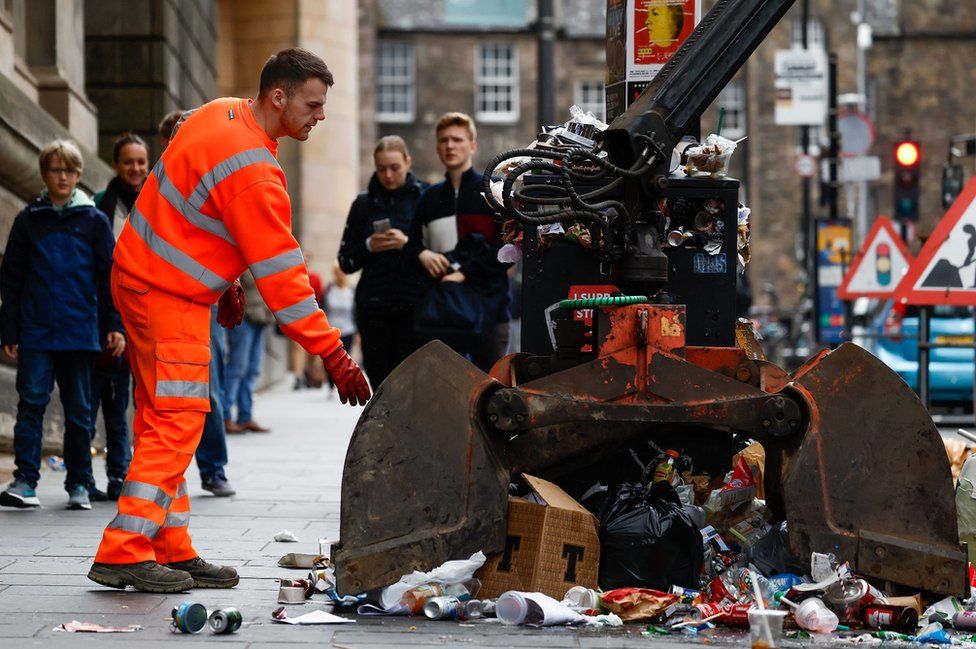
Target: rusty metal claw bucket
(856, 467)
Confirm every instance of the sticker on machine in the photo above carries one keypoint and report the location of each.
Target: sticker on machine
(945, 270)
(879, 265)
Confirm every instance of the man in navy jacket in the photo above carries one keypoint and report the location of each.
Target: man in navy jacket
(456, 237)
(55, 314)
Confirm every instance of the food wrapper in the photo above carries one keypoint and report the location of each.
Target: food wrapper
(638, 603)
(710, 158)
(739, 489)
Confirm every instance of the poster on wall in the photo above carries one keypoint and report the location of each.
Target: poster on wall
(833, 258)
(657, 28)
(642, 36)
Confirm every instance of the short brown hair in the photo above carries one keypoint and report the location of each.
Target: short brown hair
(168, 123)
(290, 68)
(457, 119)
(126, 139)
(66, 150)
(392, 143)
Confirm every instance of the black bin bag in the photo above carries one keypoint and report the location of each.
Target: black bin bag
(647, 540)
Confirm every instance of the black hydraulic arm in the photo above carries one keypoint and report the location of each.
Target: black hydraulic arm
(693, 78)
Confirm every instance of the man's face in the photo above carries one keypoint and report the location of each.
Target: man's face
(304, 109)
(455, 148)
(60, 180)
(391, 169)
(133, 165)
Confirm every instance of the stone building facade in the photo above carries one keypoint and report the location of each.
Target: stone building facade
(919, 76)
(441, 47)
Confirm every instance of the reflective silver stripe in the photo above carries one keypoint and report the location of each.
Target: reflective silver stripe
(199, 389)
(146, 491)
(192, 214)
(177, 519)
(278, 263)
(175, 256)
(181, 490)
(297, 311)
(135, 524)
(223, 170)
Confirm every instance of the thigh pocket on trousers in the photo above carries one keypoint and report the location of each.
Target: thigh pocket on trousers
(133, 303)
(182, 376)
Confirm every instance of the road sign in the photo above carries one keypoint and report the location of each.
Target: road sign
(862, 168)
(801, 87)
(805, 165)
(856, 133)
(879, 265)
(945, 270)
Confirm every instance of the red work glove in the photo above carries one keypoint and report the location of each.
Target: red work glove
(230, 306)
(348, 378)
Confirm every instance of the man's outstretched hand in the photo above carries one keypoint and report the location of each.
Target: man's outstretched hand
(348, 378)
(230, 306)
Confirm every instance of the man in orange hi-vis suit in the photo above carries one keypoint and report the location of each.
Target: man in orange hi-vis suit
(214, 205)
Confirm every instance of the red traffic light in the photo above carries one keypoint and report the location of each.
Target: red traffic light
(907, 153)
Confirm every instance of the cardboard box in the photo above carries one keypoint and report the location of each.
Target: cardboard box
(550, 547)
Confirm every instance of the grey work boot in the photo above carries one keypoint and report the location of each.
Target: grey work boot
(207, 575)
(146, 576)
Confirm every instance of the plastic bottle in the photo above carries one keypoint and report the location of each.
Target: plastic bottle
(665, 471)
(55, 463)
(415, 598)
(814, 616)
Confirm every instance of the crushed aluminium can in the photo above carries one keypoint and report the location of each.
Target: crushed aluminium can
(225, 620)
(189, 617)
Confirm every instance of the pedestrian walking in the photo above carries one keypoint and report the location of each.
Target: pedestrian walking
(245, 349)
(110, 380)
(373, 241)
(456, 237)
(211, 453)
(214, 205)
(338, 302)
(56, 314)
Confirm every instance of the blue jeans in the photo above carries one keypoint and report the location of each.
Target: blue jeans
(110, 389)
(36, 373)
(245, 349)
(212, 450)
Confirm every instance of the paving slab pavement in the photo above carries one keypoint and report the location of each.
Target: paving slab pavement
(286, 479)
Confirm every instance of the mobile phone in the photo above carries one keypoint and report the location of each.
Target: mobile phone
(381, 225)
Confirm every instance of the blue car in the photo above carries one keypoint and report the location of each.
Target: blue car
(893, 338)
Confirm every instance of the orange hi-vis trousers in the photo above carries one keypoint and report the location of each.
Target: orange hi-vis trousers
(168, 341)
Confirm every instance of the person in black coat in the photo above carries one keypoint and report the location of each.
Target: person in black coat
(373, 241)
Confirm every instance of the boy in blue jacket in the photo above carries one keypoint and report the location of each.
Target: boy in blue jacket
(56, 310)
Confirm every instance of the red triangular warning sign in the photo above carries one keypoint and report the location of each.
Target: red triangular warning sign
(879, 265)
(945, 270)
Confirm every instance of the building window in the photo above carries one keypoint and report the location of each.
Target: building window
(816, 37)
(733, 100)
(395, 82)
(591, 98)
(496, 97)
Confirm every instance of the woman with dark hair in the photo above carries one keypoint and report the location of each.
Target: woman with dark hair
(110, 380)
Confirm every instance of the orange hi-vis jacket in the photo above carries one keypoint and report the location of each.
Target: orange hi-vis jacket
(214, 205)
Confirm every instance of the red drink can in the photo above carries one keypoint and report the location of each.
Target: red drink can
(702, 611)
(736, 615)
(881, 616)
